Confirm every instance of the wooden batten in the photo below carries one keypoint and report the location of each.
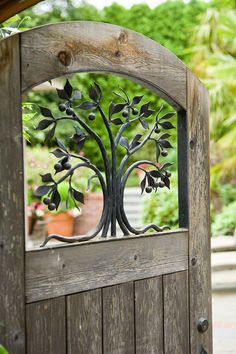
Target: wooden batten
(70, 269)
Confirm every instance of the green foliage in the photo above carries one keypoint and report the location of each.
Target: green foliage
(225, 222)
(202, 35)
(3, 350)
(162, 208)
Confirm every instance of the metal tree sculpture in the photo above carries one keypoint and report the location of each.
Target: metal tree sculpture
(113, 184)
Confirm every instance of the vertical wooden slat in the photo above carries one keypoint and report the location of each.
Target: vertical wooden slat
(118, 319)
(176, 315)
(46, 327)
(199, 215)
(149, 316)
(12, 323)
(84, 323)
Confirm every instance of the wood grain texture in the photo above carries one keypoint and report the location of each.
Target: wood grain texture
(46, 327)
(176, 313)
(84, 323)
(199, 214)
(118, 319)
(12, 327)
(60, 49)
(149, 316)
(70, 269)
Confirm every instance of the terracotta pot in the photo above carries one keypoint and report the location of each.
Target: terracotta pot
(61, 223)
(91, 213)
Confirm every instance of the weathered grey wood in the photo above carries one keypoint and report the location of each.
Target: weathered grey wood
(118, 319)
(46, 327)
(149, 316)
(176, 314)
(70, 269)
(60, 49)
(199, 216)
(84, 323)
(12, 325)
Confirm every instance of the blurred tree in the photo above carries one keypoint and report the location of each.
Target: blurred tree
(214, 61)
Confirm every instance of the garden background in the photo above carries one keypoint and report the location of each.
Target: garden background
(202, 35)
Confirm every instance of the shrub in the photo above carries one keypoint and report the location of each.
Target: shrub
(162, 208)
(225, 222)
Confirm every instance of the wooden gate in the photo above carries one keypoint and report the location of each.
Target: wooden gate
(140, 294)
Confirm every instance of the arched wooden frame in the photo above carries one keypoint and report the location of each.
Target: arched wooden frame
(44, 53)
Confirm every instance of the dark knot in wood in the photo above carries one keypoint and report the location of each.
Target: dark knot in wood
(123, 37)
(117, 53)
(64, 58)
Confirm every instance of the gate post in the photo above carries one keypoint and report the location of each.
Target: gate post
(12, 231)
(198, 214)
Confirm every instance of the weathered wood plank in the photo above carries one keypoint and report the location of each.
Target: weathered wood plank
(60, 49)
(9, 8)
(149, 316)
(71, 269)
(12, 326)
(46, 327)
(84, 323)
(199, 215)
(118, 319)
(176, 314)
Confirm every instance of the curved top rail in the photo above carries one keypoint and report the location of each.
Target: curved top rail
(63, 48)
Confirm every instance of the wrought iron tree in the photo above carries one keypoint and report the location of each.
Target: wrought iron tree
(121, 114)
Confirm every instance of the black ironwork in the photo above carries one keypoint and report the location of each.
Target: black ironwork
(113, 185)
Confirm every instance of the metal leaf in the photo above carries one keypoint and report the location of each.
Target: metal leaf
(61, 144)
(62, 94)
(165, 143)
(166, 180)
(135, 142)
(117, 121)
(68, 88)
(87, 105)
(56, 198)
(148, 113)
(44, 124)
(167, 116)
(124, 142)
(118, 107)
(165, 136)
(45, 112)
(50, 134)
(151, 181)
(144, 107)
(155, 173)
(47, 178)
(98, 90)
(58, 153)
(166, 165)
(136, 99)
(111, 109)
(42, 190)
(167, 125)
(80, 144)
(143, 184)
(78, 196)
(144, 123)
(157, 152)
(93, 94)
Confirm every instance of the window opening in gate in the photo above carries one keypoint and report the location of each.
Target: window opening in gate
(101, 155)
